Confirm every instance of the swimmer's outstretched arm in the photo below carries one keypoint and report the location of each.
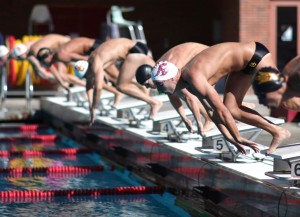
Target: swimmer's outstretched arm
(218, 112)
(292, 103)
(90, 94)
(194, 105)
(177, 104)
(59, 78)
(40, 70)
(98, 74)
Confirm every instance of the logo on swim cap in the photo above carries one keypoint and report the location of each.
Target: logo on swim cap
(267, 80)
(163, 71)
(80, 68)
(263, 77)
(19, 50)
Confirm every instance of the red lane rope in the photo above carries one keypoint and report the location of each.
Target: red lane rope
(30, 138)
(31, 127)
(34, 153)
(53, 169)
(82, 192)
(53, 172)
(43, 175)
(121, 198)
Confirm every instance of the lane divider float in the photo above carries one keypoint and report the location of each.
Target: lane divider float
(31, 127)
(35, 153)
(126, 190)
(24, 138)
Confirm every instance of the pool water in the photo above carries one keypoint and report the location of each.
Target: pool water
(105, 205)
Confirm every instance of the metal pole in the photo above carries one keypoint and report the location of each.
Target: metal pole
(28, 90)
(3, 86)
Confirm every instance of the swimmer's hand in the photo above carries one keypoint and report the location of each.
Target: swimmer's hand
(188, 125)
(245, 142)
(92, 116)
(200, 129)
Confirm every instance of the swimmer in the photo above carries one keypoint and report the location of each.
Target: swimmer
(275, 89)
(178, 56)
(69, 53)
(108, 53)
(239, 62)
(29, 50)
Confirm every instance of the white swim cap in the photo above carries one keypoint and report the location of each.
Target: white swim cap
(164, 70)
(19, 50)
(3, 50)
(80, 68)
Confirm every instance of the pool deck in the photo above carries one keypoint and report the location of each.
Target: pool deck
(243, 187)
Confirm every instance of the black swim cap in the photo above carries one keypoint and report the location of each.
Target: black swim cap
(267, 80)
(139, 47)
(143, 73)
(43, 53)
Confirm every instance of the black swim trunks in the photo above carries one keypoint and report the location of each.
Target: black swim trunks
(96, 44)
(139, 47)
(260, 52)
(30, 53)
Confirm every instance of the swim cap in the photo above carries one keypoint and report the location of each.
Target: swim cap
(43, 53)
(139, 47)
(143, 73)
(3, 50)
(164, 70)
(80, 68)
(267, 80)
(19, 50)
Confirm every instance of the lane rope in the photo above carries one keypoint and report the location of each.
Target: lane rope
(82, 192)
(35, 153)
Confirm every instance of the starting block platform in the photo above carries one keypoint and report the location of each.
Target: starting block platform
(80, 97)
(286, 162)
(214, 142)
(136, 110)
(161, 123)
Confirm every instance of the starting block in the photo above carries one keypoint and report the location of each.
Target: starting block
(136, 110)
(175, 134)
(80, 97)
(286, 163)
(170, 123)
(161, 123)
(78, 93)
(215, 142)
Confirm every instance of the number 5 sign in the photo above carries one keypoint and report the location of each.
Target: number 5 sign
(219, 145)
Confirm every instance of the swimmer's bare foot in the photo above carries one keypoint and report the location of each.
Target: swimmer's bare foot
(117, 99)
(278, 139)
(208, 125)
(249, 105)
(155, 108)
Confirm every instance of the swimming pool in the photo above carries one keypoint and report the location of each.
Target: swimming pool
(38, 148)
